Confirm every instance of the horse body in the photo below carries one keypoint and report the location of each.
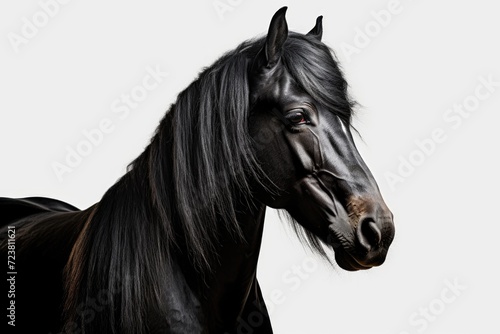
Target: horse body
(173, 246)
(46, 239)
(45, 232)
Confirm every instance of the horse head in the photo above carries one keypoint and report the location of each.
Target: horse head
(298, 95)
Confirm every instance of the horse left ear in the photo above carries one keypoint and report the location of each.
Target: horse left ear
(317, 31)
(276, 37)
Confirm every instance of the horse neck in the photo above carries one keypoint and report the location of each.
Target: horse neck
(232, 277)
(238, 258)
(234, 253)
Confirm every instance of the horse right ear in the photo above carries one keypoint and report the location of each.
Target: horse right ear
(317, 31)
(276, 37)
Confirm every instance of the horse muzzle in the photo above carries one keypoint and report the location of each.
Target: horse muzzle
(362, 241)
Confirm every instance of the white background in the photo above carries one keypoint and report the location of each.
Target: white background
(412, 70)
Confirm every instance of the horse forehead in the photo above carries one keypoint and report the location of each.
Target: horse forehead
(280, 87)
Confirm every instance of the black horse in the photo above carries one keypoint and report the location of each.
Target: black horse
(173, 246)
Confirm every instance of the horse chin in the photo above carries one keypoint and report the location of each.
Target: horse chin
(347, 262)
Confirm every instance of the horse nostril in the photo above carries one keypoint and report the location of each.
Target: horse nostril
(369, 234)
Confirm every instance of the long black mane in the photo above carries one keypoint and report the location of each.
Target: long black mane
(184, 190)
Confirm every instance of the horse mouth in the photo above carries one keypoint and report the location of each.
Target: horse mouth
(348, 256)
(343, 249)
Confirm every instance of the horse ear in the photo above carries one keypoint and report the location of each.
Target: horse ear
(317, 31)
(276, 37)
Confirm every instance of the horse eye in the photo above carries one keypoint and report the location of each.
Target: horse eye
(297, 117)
